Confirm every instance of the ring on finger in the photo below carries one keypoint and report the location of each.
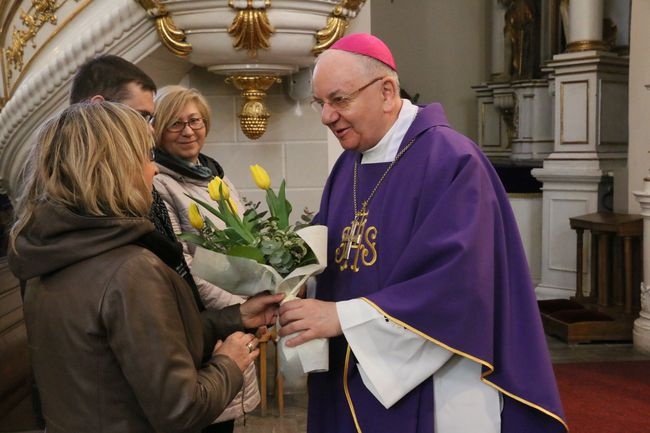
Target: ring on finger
(250, 346)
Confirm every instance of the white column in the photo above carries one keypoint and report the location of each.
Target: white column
(586, 25)
(590, 105)
(641, 331)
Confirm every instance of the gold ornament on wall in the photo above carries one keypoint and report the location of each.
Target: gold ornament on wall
(254, 115)
(41, 13)
(337, 24)
(251, 28)
(171, 36)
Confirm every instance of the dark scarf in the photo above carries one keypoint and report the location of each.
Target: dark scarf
(171, 253)
(206, 169)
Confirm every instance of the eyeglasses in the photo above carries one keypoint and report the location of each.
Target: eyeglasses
(195, 123)
(152, 150)
(150, 118)
(343, 101)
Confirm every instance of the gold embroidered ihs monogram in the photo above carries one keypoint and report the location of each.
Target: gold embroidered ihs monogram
(360, 239)
(356, 236)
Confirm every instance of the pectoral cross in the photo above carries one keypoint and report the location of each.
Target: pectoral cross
(355, 236)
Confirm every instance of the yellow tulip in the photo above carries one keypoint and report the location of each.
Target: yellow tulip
(217, 187)
(195, 217)
(260, 176)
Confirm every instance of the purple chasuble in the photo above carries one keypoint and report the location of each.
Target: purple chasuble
(441, 254)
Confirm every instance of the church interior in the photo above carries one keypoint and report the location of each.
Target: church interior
(556, 93)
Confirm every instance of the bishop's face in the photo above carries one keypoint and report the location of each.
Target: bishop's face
(354, 105)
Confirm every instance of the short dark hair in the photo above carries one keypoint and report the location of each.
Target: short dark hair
(107, 75)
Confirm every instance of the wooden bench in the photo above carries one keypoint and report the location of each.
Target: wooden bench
(16, 403)
(608, 313)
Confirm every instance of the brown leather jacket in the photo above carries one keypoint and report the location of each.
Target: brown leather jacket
(115, 335)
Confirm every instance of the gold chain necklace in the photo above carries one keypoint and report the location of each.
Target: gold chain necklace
(354, 236)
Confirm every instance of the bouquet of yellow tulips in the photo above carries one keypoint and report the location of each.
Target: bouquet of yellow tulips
(240, 257)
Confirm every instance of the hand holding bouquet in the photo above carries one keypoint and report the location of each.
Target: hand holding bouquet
(261, 251)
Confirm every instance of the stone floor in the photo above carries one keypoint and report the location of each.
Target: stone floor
(295, 418)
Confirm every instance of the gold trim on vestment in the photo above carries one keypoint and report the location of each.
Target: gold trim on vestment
(347, 391)
(457, 352)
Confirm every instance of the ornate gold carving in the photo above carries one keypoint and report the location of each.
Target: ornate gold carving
(42, 12)
(171, 36)
(254, 115)
(576, 46)
(251, 28)
(337, 24)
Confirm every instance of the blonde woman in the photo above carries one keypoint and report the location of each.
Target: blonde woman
(114, 333)
(181, 126)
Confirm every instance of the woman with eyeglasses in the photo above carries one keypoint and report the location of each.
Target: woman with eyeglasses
(181, 125)
(115, 336)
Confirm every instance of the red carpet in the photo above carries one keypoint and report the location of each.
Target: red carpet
(605, 397)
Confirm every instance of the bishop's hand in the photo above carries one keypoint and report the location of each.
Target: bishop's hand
(311, 318)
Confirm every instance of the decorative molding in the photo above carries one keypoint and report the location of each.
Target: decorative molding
(577, 46)
(612, 99)
(251, 28)
(337, 23)
(171, 36)
(563, 111)
(9, 84)
(254, 115)
(38, 88)
(505, 101)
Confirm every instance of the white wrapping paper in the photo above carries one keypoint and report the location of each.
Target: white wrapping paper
(246, 277)
(309, 357)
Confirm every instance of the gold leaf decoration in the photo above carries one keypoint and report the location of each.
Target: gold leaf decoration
(171, 36)
(251, 28)
(42, 12)
(254, 115)
(337, 24)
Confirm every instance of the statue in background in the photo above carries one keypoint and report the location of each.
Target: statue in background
(564, 14)
(522, 35)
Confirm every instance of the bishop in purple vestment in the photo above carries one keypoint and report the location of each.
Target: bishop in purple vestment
(421, 236)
